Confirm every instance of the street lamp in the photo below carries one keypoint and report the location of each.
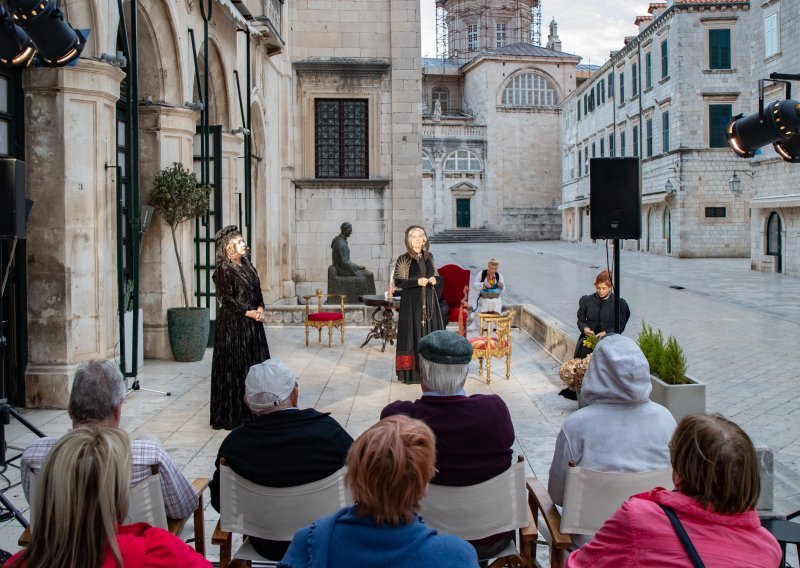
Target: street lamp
(735, 182)
(16, 48)
(56, 41)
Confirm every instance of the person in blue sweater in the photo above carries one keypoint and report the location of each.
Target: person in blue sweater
(389, 468)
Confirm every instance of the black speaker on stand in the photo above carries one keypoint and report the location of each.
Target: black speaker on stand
(13, 217)
(615, 203)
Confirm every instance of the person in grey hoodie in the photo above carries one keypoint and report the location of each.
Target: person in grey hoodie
(620, 429)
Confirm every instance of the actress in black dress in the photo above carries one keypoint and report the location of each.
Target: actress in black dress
(416, 274)
(239, 341)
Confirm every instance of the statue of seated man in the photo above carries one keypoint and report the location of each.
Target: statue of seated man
(344, 275)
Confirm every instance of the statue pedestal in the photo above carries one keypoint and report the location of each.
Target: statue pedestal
(352, 286)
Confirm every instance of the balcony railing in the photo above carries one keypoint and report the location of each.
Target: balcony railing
(461, 131)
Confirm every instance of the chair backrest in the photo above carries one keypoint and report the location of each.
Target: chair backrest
(476, 511)
(276, 513)
(455, 278)
(145, 503)
(592, 497)
(321, 297)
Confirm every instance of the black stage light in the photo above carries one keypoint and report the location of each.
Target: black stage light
(16, 48)
(56, 41)
(789, 150)
(779, 122)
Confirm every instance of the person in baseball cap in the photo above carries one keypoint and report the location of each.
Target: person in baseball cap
(270, 385)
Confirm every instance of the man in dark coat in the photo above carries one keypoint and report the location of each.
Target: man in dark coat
(285, 446)
(474, 434)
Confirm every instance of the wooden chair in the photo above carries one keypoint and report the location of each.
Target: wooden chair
(273, 513)
(146, 505)
(455, 293)
(493, 342)
(590, 499)
(322, 318)
(477, 511)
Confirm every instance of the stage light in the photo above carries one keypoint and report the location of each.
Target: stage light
(779, 121)
(56, 41)
(789, 150)
(16, 48)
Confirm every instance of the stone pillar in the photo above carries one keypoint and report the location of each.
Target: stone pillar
(440, 224)
(70, 114)
(165, 136)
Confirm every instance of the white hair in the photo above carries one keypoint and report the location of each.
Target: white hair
(443, 378)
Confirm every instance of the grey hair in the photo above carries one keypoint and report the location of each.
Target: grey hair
(97, 391)
(442, 378)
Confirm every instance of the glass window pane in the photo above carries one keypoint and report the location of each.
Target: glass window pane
(121, 126)
(4, 146)
(3, 94)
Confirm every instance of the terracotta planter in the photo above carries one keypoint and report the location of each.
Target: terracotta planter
(680, 400)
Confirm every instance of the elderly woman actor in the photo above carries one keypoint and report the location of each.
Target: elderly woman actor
(81, 500)
(389, 468)
(416, 274)
(239, 341)
(715, 472)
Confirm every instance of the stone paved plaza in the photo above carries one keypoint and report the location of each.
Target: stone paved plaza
(739, 330)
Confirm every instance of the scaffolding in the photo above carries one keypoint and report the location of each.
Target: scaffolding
(465, 28)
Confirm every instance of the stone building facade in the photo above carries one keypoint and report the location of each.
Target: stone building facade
(491, 124)
(309, 62)
(666, 97)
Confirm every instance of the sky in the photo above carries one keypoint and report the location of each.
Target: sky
(589, 28)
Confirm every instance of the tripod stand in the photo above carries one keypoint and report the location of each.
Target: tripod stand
(7, 509)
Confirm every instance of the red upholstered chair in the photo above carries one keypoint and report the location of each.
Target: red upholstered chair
(321, 318)
(455, 293)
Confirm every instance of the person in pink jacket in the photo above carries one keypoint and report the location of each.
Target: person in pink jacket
(715, 472)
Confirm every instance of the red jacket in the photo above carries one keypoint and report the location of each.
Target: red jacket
(640, 534)
(143, 546)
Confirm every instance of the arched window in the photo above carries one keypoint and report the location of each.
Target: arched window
(774, 234)
(530, 90)
(441, 94)
(462, 161)
(427, 164)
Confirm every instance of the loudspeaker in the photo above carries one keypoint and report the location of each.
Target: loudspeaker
(615, 198)
(12, 199)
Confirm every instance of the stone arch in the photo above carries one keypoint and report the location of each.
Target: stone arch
(219, 102)
(551, 81)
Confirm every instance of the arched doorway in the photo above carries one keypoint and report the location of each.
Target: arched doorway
(774, 239)
(667, 229)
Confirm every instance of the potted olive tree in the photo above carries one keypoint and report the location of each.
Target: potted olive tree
(178, 197)
(672, 387)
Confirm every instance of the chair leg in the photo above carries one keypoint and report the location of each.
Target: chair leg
(488, 369)
(225, 552)
(480, 366)
(319, 335)
(342, 333)
(556, 557)
(508, 367)
(330, 334)
(306, 335)
(199, 528)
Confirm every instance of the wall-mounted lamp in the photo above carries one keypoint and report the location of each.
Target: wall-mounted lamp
(241, 130)
(196, 106)
(735, 182)
(116, 59)
(669, 188)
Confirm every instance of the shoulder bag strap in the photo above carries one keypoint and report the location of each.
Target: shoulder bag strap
(684, 538)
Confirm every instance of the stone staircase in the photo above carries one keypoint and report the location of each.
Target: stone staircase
(471, 236)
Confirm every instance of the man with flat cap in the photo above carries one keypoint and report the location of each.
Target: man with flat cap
(474, 434)
(285, 445)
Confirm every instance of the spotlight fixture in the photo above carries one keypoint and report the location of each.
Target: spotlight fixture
(117, 59)
(241, 130)
(669, 189)
(778, 124)
(16, 48)
(56, 41)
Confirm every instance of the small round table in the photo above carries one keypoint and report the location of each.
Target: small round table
(383, 326)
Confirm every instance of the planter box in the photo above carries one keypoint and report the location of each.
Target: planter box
(680, 400)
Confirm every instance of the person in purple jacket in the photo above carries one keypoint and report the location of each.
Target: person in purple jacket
(474, 434)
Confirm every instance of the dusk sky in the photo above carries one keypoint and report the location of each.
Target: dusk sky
(589, 28)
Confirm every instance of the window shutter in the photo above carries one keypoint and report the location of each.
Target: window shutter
(771, 35)
(719, 43)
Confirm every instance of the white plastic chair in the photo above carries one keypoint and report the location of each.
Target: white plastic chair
(273, 513)
(476, 511)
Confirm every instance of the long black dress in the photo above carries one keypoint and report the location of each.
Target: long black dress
(411, 324)
(239, 342)
(597, 314)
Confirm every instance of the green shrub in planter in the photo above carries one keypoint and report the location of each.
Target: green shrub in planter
(666, 358)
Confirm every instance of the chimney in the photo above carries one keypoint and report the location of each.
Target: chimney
(553, 42)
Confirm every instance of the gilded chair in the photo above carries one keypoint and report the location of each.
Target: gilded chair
(590, 499)
(324, 318)
(493, 342)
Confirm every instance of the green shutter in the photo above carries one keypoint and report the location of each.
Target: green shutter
(719, 48)
(665, 131)
(664, 59)
(718, 116)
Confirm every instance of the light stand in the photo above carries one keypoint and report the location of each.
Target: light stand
(616, 286)
(7, 509)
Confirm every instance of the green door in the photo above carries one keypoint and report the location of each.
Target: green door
(462, 213)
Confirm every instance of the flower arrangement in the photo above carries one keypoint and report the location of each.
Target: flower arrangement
(573, 371)
(590, 341)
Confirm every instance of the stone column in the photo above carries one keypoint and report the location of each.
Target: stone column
(165, 136)
(70, 115)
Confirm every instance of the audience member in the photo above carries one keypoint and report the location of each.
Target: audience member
(620, 429)
(284, 446)
(81, 501)
(389, 468)
(474, 434)
(715, 471)
(98, 391)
